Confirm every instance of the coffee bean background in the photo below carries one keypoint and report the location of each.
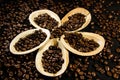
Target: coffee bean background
(105, 21)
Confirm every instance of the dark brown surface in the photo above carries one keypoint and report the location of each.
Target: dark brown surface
(105, 21)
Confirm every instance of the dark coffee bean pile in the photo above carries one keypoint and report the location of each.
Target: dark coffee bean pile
(30, 41)
(75, 22)
(52, 59)
(45, 21)
(80, 43)
(105, 21)
(57, 32)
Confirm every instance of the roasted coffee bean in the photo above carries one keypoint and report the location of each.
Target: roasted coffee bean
(74, 22)
(1, 73)
(82, 77)
(27, 76)
(105, 62)
(45, 21)
(118, 50)
(52, 59)
(93, 74)
(117, 66)
(17, 65)
(30, 41)
(116, 76)
(109, 73)
(10, 73)
(19, 73)
(80, 43)
(107, 68)
(81, 73)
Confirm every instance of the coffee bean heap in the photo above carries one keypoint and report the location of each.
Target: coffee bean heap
(52, 59)
(45, 21)
(105, 21)
(75, 22)
(30, 41)
(80, 43)
(57, 32)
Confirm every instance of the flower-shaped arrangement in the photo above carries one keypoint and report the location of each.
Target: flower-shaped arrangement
(54, 37)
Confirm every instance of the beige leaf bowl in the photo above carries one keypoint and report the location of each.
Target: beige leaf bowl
(83, 11)
(40, 12)
(24, 34)
(39, 55)
(97, 38)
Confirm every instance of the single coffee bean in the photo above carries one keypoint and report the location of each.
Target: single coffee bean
(27, 76)
(118, 50)
(10, 73)
(107, 68)
(116, 76)
(1, 73)
(93, 74)
(82, 77)
(81, 73)
(109, 73)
